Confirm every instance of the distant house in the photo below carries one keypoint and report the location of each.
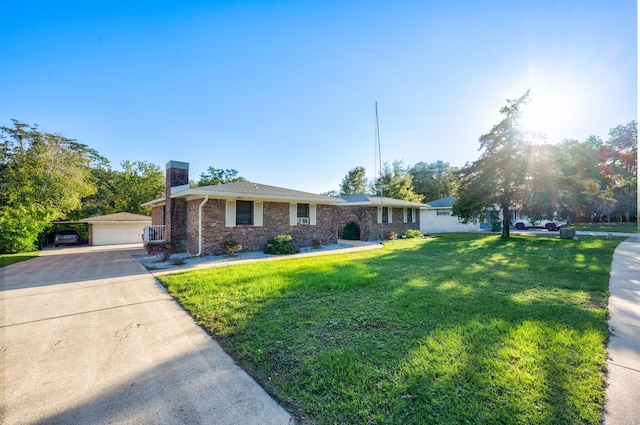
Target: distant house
(438, 218)
(378, 216)
(197, 220)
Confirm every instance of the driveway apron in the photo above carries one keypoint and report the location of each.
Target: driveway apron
(88, 336)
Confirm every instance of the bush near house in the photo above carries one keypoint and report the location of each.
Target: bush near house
(281, 245)
(412, 234)
(230, 246)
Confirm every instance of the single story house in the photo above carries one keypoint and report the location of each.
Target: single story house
(438, 218)
(378, 216)
(197, 220)
(118, 228)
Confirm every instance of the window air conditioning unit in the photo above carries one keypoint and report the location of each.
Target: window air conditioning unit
(303, 220)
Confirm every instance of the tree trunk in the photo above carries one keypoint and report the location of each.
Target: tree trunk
(505, 221)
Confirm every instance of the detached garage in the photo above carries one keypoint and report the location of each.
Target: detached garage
(118, 228)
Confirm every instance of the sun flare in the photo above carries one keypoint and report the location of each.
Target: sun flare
(551, 114)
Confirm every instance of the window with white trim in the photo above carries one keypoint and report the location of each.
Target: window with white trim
(443, 212)
(302, 214)
(244, 213)
(409, 216)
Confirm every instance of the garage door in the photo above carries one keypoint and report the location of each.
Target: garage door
(112, 234)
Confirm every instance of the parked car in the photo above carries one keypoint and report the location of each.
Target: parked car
(67, 237)
(550, 226)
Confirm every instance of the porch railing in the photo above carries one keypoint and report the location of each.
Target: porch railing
(154, 233)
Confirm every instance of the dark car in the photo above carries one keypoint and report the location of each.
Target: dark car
(67, 237)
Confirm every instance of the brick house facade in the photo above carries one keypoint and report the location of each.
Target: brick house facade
(377, 217)
(199, 219)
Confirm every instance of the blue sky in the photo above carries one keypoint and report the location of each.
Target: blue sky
(284, 91)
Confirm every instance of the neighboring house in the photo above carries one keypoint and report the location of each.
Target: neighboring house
(438, 218)
(197, 220)
(377, 216)
(118, 228)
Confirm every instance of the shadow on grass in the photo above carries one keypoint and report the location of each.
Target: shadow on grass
(460, 329)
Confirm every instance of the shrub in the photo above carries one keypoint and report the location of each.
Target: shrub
(351, 231)
(154, 249)
(412, 234)
(318, 242)
(281, 245)
(161, 248)
(391, 235)
(230, 245)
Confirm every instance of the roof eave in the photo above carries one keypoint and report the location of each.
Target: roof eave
(192, 194)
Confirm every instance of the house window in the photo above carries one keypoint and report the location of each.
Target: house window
(385, 214)
(303, 210)
(443, 212)
(244, 212)
(303, 214)
(409, 215)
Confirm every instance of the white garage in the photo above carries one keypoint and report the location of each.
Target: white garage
(118, 228)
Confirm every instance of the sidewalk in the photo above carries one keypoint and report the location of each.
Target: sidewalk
(622, 404)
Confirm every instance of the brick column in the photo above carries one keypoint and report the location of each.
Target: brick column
(177, 175)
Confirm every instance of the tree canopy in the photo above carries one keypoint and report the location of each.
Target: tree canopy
(122, 191)
(499, 175)
(43, 177)
(433, 181)
(354, 182)
(395, 181)
(215, 176)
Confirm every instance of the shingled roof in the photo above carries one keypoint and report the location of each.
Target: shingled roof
(442, 202)
(364, 199)
(121, 216)
(250, 190)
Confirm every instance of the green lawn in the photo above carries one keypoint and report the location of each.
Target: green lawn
(606, 227)
(6, 259)
(448, 330)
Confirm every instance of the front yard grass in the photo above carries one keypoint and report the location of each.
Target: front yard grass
(447, 330)
(6, 259)
(606, 227)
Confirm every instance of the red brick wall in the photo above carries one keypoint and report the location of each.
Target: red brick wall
(254, 238)
(177, 174)
(157, 215)
(367, 219)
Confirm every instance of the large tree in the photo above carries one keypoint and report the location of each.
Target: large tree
(138, 182)
(498, 177)
(354, 182)
(43, 177)
(580, 187)
(215, 176)
(620, 168)
(122, 191)
(434, 181)
(395, 182)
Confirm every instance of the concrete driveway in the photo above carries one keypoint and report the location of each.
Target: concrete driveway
(87, 336)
